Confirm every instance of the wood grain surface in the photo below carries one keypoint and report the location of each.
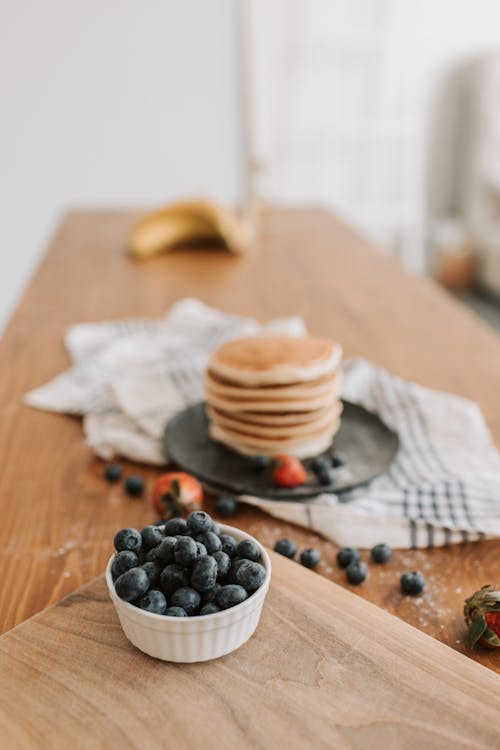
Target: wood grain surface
(59, 515)
(359, 678)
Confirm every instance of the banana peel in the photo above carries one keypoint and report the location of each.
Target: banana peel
(189, 222)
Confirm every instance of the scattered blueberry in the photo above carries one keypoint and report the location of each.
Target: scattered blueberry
(154, 601)
(223, 564)
(112, 472)
(381, 553)
(210, 608)
(175, 612)
(134, 486)
(250, 575)
(310, 558)
(204, 574)
(230, 596)
(346, 556)
(176, 526)
(319, 463)
(152, 571)
(123, 561)
(132, 584)
(259, 464)
(187, 598)
(173, 577)
(339, 459)
(210, 540)
(198, 522)
(226, 506)
(412, 583)
(326, 476)
(185, 551)
(286, 547)
(151, 537)
(166, 550)
(228, 544)
(356, 572)
(128, 539)
(249, 550)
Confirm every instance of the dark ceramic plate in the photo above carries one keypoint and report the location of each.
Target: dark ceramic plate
(367, 444)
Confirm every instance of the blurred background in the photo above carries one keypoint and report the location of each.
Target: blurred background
(384, 111)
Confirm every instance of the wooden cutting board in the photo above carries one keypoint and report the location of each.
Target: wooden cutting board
(325, 669)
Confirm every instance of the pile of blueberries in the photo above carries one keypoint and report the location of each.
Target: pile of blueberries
(349, 558)
(185, 567)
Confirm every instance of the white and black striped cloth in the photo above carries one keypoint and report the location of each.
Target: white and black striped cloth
(129, 377)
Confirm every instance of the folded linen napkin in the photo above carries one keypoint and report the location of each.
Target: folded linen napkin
(129, 377)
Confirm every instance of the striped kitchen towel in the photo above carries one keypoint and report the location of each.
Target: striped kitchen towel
(130, 377)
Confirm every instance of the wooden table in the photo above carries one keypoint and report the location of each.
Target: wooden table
(59, 515)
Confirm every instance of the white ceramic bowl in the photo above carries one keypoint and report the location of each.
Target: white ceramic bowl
(189, 639)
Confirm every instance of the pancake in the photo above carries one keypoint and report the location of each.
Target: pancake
(285, 405)
(273, 418)
(280, 360)
(276, 432)
(312, 446)
(313, 388)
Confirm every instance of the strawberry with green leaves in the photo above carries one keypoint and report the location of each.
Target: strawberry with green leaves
(176, 494)
(288, 471)
(482, 615)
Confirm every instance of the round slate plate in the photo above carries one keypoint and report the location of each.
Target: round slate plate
(367, 443)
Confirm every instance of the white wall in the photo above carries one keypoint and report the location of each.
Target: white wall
(110, 102)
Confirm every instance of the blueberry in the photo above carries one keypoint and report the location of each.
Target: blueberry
(250, 575)
(346, 556)
(339, 459)
(223, 564)
(134, 486)
(175, 612)
(166, 550)
(128, 539)
(112, 472)
(152, 571)
(235, 566)
(356, 572)
(123, 561)
(151, 537)
(201, 550)
(228, 544)
(153, 556)
(381, 553)
(211, 541)
(249, 550)
(412, 583)
(198, 521)
(215, 528)
(132, 584)
(173, 577)
(259, 464)
(226, 506)
(319, 463)
(209, 609)
(326, 476)
(154, 601)
(175, 526)
(204, 574)
(286, 547)
(187, 598)
(230, 596)
(310, 558)
(185, 551)
(211, 596)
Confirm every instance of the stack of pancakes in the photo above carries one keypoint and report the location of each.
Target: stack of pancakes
(275, 394)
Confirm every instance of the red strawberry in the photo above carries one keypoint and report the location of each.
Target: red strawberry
(482, 615)
(176, 493)
(288, 471)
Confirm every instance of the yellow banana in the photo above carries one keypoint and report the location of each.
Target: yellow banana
(185, 222)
